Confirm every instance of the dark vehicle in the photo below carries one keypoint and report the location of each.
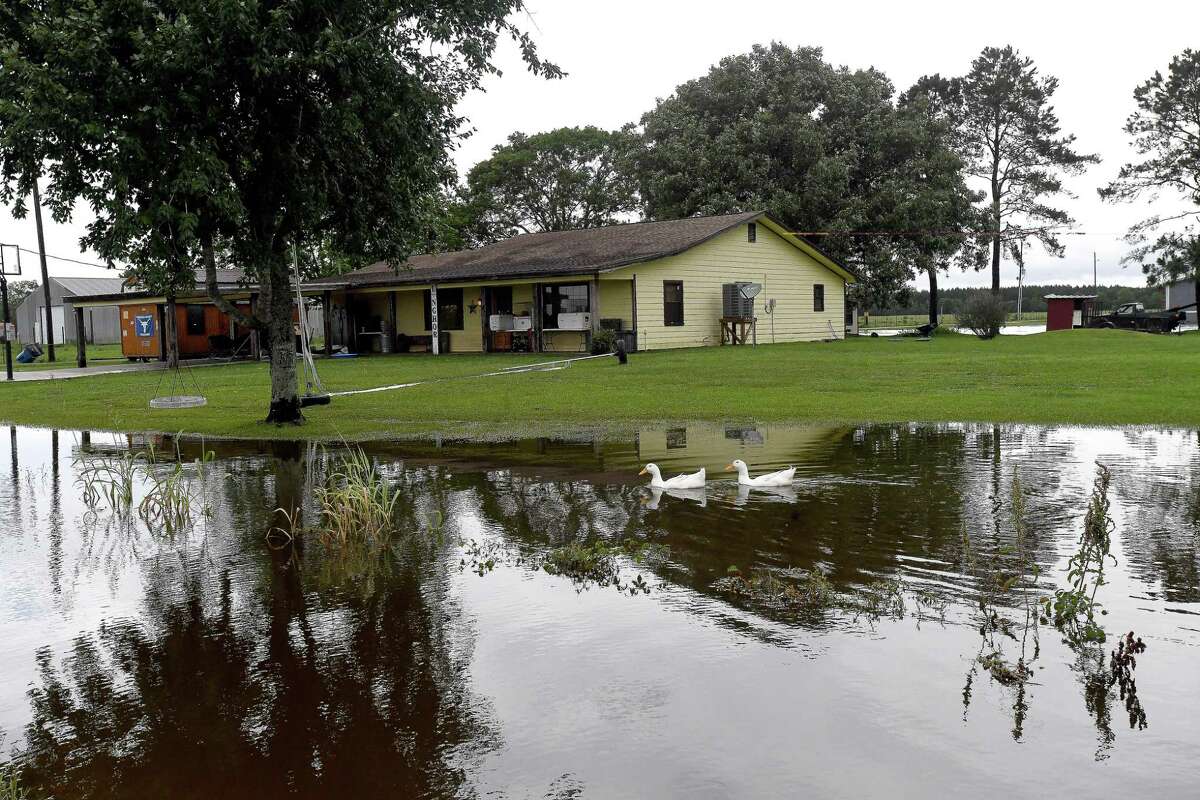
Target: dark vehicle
(1134, 316)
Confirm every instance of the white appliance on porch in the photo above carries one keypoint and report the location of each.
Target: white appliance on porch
(575, 321)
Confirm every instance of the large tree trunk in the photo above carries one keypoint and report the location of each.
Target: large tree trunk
(281, 342)
(933, 295)
(996, 247)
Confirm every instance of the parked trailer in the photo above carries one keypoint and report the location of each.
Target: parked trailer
(1134, 316)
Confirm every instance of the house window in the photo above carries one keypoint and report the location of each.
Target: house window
(502, 300)
(562, 298)
(673, 303)
(195, 320)
(818, 297)
(450, 310)
(751, 232)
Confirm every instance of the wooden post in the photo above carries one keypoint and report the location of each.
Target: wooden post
(633, 309)
(80, 338)
(435, 344)
(255, 345)
(327, 318)
(162, 332)
(594, 307)
(535, 335)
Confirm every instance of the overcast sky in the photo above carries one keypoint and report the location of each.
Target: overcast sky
(622, 55)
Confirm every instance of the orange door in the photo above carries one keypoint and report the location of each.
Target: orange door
(139, 331)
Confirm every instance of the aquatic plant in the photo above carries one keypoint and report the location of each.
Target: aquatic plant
(810, 591)
(598, 562)
(1074, 610)
(357, 503)
(108, 480)
(168, 502)
(10, 785)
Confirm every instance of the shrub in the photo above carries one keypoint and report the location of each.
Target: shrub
(984, 315)
(603, 341)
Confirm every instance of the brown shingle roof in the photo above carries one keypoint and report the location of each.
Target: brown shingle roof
(556, 252)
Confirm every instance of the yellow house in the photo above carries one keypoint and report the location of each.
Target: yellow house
(655, 284)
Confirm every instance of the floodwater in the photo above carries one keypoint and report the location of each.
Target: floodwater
(221, 659)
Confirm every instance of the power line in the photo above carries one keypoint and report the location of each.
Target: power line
(58, 258)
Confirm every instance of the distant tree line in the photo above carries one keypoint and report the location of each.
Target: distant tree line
(1033, 299)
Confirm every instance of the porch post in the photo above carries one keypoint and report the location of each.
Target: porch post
(327, 319)
(80, 339)
(594, 307)
(536, 344)
(435, 345)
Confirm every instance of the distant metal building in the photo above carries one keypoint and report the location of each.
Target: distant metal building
(1182, 293)
(103, 325)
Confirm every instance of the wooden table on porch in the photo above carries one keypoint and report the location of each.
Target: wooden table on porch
(739, 330)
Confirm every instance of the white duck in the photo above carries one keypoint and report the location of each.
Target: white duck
(783, 477)
(693, 481)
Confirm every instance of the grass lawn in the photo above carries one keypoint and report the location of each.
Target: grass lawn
(1100, 377)
(64, 355)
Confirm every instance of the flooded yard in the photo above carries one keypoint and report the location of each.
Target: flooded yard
(873, 630)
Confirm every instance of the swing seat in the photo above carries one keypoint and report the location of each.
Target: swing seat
(179, 401)
(307, 400)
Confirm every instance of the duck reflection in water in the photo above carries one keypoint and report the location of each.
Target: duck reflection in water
(769, 494)
(698, 496)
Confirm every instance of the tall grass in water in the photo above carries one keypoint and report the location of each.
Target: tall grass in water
(108, 480)
(10, 785)
(169, 502)
(358, 505)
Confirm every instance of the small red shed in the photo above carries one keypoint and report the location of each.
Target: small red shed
(1066, 311)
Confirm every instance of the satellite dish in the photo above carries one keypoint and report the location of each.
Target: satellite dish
(749, 290)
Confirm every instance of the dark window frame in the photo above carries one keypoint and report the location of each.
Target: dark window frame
(673, 309)
(752, 232)
(194, 322)
(553, 295)
(450, 314)
(818, 298)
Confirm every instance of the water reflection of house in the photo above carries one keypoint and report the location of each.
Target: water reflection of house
(762, 446)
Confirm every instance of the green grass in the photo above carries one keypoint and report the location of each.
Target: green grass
(64, 355)
(1096, 377)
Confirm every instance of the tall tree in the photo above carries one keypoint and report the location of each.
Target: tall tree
(559, 180)
(782, 130)
(931, 197)
(248, 127)
(1165, 130)
(1012, 141)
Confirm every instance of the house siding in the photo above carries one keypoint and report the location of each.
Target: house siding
(787, 273)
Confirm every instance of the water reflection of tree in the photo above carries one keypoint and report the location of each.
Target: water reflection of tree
(254, 679)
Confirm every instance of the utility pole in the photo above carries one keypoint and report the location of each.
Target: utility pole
(8, 369)
(1094, 281)
(1020, 287)
(37, 218)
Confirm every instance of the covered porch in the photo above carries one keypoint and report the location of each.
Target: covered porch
(549, 315)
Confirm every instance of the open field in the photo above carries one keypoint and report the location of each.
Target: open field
(1083, 377)
(892, 321)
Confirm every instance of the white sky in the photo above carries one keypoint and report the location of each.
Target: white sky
(622, 55)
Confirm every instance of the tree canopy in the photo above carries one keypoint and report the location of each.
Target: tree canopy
(1165, 130)
(559, 180)
(200, 126)
(1011, 140)
(821, 147)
